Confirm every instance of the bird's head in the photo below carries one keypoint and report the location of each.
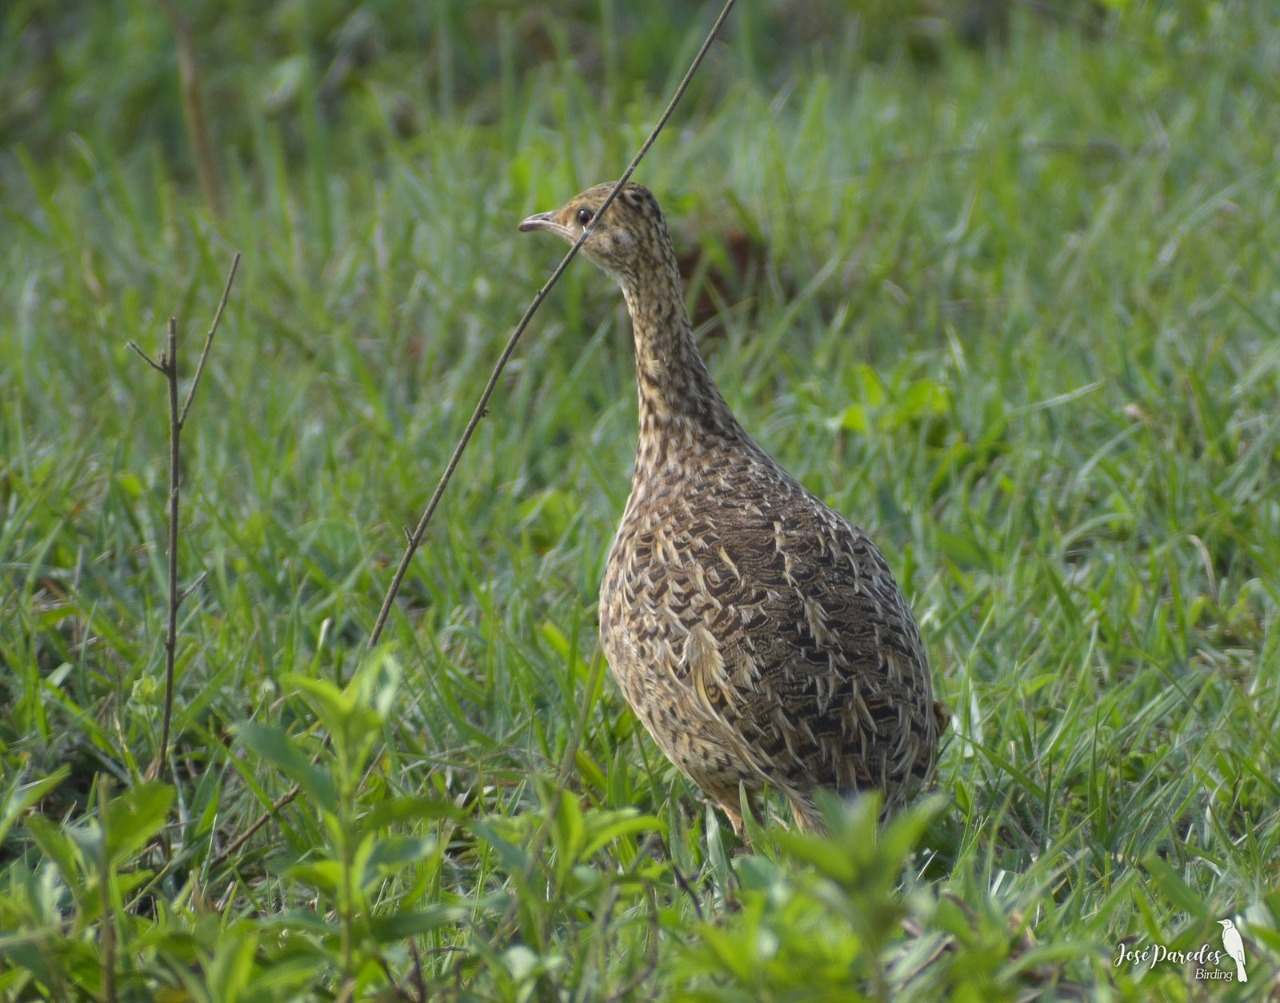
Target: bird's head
(630, 238)
(1226, 924)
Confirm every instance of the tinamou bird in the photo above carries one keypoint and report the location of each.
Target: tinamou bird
(758, 636)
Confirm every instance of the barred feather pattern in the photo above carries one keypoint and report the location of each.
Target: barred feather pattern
(759, 637)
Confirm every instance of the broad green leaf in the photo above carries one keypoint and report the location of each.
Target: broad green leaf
(230, 970)
(282, 750)
(323, 875)
(605, 826)
(567, 830)
(353, 724)
(19, 797)
(332, 703)
(1172, 884)
(134, 816)
(397, 926)
(830, 858)
(390, 854)
(407, 808)
(513, 857)
(589, 770)
(60, 849)
(900, 837)
(300, 921)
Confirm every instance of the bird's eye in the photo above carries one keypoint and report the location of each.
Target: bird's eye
(584, 216)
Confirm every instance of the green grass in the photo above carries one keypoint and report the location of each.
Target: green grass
(1016, 314)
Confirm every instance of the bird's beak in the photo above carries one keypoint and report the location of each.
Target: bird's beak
(546, 221)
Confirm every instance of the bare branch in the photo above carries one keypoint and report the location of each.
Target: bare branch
(175, 492)
(237, 844)
(146, 358)
(208, 338)
(167, 366)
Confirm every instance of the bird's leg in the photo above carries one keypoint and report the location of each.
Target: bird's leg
(734, 814)
(732, 808)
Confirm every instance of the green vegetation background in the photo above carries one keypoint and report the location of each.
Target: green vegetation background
(1000, 282)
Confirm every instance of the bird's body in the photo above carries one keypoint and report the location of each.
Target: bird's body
(760, 638)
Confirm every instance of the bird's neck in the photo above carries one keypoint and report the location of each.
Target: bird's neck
(678, 398)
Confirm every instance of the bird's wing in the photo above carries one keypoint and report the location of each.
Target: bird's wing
(823, 665)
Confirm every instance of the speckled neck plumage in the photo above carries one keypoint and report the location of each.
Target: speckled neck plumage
(678, 398)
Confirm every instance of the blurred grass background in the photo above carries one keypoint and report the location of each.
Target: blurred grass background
(997, 280)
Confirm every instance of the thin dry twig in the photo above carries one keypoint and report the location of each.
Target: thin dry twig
(236, 844)
(481, 409)
(208, 338)
(167, 366)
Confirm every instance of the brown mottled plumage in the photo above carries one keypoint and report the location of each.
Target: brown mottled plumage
(759, 637)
